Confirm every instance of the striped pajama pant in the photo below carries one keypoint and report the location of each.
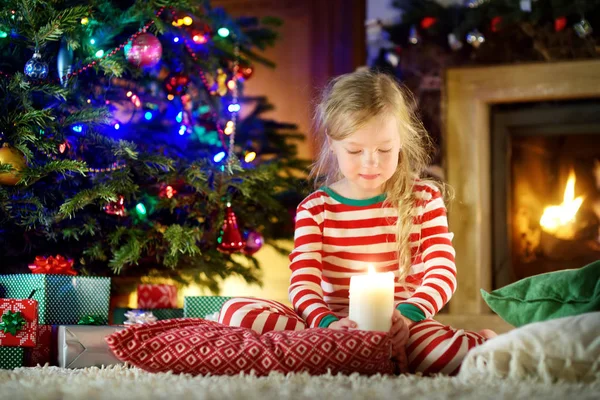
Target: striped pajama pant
(432, 347)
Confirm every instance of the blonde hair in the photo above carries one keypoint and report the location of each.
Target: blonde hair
(348, 103)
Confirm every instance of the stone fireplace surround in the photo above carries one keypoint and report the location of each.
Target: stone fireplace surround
(469, 94)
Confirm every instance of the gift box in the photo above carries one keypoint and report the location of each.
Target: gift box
(62, 299)
(82, 346)
(11, 357)
(18, 322)
(201, 306)
(118, 314)
(151, 297)
(45, 350)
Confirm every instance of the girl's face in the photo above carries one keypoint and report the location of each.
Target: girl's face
(369, 157)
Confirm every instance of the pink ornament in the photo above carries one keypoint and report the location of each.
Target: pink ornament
(253, 242)
(145, 51)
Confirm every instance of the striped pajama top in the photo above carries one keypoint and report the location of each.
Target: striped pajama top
(337, 237)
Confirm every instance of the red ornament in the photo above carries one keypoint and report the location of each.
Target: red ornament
(176, 84)
(560, 24)
(145, 51)
(52, 265)
(496, 23)
(230, 241)
(116, 207)
(253, 242)
(245, 72)
(428, 22)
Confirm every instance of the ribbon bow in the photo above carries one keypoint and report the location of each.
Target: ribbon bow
(12, 322)
(139, 317)
(52, 265)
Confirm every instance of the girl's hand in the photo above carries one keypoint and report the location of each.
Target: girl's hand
(342, 324)
(399, 335)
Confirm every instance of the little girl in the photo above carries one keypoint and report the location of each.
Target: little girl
(371, 208)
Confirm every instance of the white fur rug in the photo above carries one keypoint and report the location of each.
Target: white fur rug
(120, 382)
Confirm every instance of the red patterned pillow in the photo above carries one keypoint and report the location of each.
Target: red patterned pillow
(197, 346)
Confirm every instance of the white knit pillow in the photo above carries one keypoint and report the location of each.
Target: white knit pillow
(565, 349)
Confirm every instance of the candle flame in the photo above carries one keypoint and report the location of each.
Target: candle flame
(371, 269)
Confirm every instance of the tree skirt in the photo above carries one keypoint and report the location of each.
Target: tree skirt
(120, 382)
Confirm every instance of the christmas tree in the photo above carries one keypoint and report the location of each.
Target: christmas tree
(124, 146)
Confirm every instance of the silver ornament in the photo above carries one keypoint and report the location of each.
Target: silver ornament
(475, 38)
(64, 61)
(525, 5)
(454, 43)
(583, 28)
(413, 35)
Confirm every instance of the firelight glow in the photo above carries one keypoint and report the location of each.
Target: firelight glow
(559, 220)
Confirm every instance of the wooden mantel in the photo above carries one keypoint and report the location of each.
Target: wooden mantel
(469, 94)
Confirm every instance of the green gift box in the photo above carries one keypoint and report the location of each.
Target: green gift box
(63, 299)
(119, 318)
(11, 357)
(201, 306)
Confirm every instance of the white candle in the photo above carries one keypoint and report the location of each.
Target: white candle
(372, 300)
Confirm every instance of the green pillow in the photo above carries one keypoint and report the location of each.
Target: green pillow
(547, 296)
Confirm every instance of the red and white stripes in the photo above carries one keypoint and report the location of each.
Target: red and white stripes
(335, 240)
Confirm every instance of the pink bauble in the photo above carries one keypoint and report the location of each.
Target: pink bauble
(253, 242)
(145, 51)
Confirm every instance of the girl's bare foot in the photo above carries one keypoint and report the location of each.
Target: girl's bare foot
(488, 333)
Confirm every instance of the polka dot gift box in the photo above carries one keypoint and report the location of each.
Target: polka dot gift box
(202, 306)
(11, 357)
(62, 299)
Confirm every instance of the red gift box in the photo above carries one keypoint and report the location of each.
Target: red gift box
(156, 296)
(46, 348)
(25, 336)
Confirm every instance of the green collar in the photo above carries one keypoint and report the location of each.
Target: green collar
(353, 202)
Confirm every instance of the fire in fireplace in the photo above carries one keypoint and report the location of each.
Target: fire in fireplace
(545, 188)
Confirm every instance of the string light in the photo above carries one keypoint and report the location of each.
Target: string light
(170, 192)
(234, 108)
(231, 84)
(99, 53)
(250, 156)
(176, 39)
(148, 115)
(219, 156)
(182, 129)
(179, 117)
(77, 128)
(89, 101)
(201, 39)
(223, 32)
(92, 41)
(140, 208)
(85, 21)
(170, 97)
(117, 126)
(129, 94)
(187, 20)
(3, 34)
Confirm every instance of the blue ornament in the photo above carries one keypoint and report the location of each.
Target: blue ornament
(36, 68)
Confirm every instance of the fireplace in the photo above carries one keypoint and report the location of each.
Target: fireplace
(545, 188)
(471, 96)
